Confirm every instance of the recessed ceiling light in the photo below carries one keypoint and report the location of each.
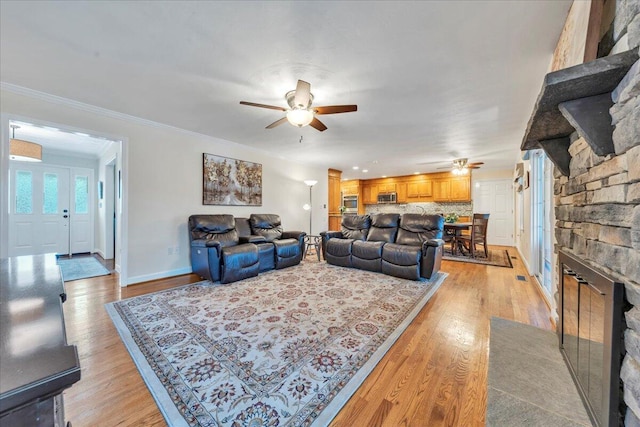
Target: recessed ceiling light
(384, 176)
(416, 173)
(355, 168)
(50, 128)
(375, 162)
(365, 170)
(81, 134)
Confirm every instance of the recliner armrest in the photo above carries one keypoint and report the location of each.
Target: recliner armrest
(293, 235)
(326, 235)
(203, 243)
(434, 242)
(252, 239)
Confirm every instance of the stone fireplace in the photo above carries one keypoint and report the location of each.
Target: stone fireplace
(587, 119)
(598, 220)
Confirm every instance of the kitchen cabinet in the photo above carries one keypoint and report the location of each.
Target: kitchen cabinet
(460, 189)
(457, 189)
(401, 192)
(441, 189)
(335, 199)
(387, 188)
(369, 194)
(335, 222)
(350, 188)
(420, 189)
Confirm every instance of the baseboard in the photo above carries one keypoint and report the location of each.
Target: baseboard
(99, 252)
(524, 261)
(160, 275)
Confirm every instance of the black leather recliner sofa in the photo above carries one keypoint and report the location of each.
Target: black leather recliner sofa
(227, 249)
(408, 246)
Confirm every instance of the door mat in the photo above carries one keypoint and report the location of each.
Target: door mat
(81, 268)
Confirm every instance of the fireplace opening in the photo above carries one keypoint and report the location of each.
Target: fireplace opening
(589, 333)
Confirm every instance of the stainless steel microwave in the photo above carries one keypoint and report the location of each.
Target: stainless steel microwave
(386, 198)
(350, 203)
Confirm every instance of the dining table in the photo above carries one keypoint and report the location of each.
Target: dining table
(457, 228)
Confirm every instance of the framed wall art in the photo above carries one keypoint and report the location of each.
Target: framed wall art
(231, 182)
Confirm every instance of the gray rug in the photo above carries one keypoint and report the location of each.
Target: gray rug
(81, 267)
(529, 382)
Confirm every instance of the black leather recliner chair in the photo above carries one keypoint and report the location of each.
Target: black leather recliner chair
(288, 245)
(216, 251)
(407, 246)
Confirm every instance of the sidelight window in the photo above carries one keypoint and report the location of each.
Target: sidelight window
(82, 195)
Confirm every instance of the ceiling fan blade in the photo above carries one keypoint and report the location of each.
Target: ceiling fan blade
(271, 107)
(447, 167)
(335, 109)
(277, 123)
(318, 124)
(475, 164)
(303, 91)
(473, 167)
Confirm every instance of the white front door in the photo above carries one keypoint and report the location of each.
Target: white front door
(39, 209)
(495, 197)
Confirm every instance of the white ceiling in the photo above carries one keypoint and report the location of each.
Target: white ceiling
(433, 80)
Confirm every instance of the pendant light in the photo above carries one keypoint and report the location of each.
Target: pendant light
(23, 151)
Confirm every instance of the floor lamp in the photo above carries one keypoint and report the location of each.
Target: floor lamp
(307, 207)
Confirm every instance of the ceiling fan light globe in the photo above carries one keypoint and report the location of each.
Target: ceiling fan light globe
(299, 117)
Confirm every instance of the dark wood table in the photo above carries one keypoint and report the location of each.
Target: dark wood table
(36, 363)
(457, 228)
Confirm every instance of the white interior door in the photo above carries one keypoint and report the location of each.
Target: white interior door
(39, 209)
(495, 197)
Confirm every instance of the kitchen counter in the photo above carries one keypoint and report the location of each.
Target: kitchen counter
(36, 363)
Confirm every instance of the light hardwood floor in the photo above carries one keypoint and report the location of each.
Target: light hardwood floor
(434, 375)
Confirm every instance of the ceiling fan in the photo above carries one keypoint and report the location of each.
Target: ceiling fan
(462, 166)
(300, 112)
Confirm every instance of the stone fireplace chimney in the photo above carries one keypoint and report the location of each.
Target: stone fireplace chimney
(593, 138)
(598, 219)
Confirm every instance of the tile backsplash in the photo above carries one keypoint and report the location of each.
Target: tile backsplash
(461, 208)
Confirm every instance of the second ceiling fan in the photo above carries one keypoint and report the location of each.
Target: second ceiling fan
(462, 166)
(300, 112)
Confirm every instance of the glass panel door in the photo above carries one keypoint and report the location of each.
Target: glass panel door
(38, 222)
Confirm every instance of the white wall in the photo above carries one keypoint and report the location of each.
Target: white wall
(162, 179)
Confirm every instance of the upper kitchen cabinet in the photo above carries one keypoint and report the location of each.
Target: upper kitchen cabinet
(350, 188)
(422, 189)
(461, 189)
(452, 189)
(369, 193)
(401, 192)
(387, 187)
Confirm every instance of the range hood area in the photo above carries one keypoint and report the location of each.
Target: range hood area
(577, 98)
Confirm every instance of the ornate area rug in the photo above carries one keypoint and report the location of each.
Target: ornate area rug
(286, 348)
(497, 257)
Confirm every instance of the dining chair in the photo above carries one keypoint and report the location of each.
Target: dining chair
(449, 236)
(478, 235)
